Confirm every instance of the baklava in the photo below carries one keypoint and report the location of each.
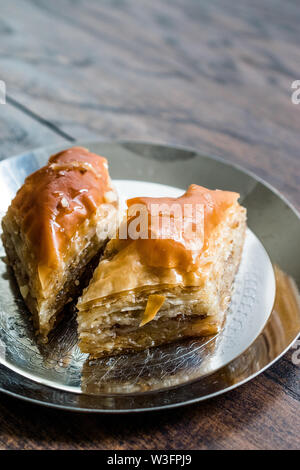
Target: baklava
(163, 284)
(58, 221)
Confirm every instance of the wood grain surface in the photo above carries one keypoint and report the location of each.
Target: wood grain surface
(211, 74)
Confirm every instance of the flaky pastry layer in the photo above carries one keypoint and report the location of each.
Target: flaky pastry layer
(112, 307)
(48, 281)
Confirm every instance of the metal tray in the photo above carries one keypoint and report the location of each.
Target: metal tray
(263, 321)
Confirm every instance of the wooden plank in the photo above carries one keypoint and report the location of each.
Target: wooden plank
(20, 132)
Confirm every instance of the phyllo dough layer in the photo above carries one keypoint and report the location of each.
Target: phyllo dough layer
(58, 221)
(147, 292)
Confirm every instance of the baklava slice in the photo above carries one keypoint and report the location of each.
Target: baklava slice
(58, 221)
(167, 275)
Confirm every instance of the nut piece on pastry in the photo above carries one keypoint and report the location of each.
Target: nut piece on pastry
(58, 221)
(167, 282)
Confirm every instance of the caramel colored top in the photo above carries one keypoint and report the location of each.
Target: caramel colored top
(135, 263)
(55, 200)
(179, 244)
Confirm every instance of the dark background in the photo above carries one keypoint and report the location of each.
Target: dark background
(212, 74)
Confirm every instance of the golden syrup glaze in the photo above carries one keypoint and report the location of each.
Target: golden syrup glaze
(55, 200)
(171, 252)
(135, 264)
(154, 304)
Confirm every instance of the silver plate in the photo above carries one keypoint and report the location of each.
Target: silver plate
(59, 375)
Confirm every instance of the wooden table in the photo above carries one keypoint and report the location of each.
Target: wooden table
(212, 74)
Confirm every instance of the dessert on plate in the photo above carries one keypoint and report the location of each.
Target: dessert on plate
(56, 224)
(167, 275)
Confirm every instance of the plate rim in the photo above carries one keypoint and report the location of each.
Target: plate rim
(217, 158)
(146, 410)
